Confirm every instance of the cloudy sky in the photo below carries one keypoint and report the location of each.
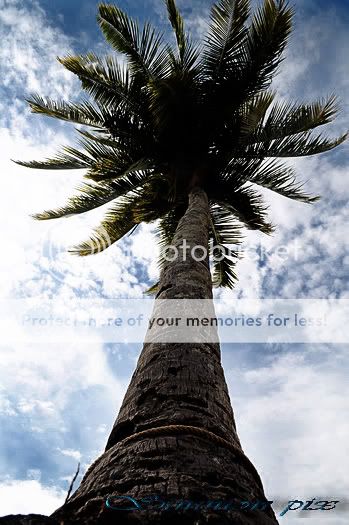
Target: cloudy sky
(59, 396)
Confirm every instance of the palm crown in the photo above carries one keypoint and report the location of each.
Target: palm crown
(175, 117)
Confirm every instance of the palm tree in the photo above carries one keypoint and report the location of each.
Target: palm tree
(184, 135)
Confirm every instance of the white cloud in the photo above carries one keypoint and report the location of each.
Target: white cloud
(290, 420)
(75, 454)
(29, 497)
(29, 49)
(53, 372)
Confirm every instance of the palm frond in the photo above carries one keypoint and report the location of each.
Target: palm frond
(281, 179)
(224, 274)
(252, 65)
(153, 290)
(144, 50)
(69, 159)
(226, 35)
(105, 139)
(92, 196)
(290, 119)
(123, 133)
(83, 113)
(301, 145)
(117, 223)
(227, 228)
(105, 80)
(187, 52)
(107, 168)
(266, 40)
(167, 229)
(100, 152)
(177, 24)
(110, 161)
(238, 171)
(253, 113)
(225, 231)
(246, 204)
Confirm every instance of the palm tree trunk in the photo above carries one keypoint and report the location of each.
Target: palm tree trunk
(175, 436)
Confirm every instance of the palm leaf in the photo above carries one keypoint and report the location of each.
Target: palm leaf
(92, 196)
(146, 54)
(105, 80)
(281, 179)
(112, 168)
(224, 231)
(187, 52)
(226, 226)
(238, 171)
(253, 113)
(177, 24)
(69, 159)
(226, 35)
(83, 113)
(266, 40)
(301, 145)
(117, 223)
(246, 205)
(153, 290)
(167, 229)
(110, 162)
(224, 274)
(106, 140)
(123, 133)
(290, 119)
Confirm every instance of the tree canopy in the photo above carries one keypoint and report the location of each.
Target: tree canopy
(159, 118)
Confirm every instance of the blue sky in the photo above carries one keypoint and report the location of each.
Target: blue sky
(58, 400)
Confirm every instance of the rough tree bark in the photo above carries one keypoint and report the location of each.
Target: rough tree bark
(174, 384)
